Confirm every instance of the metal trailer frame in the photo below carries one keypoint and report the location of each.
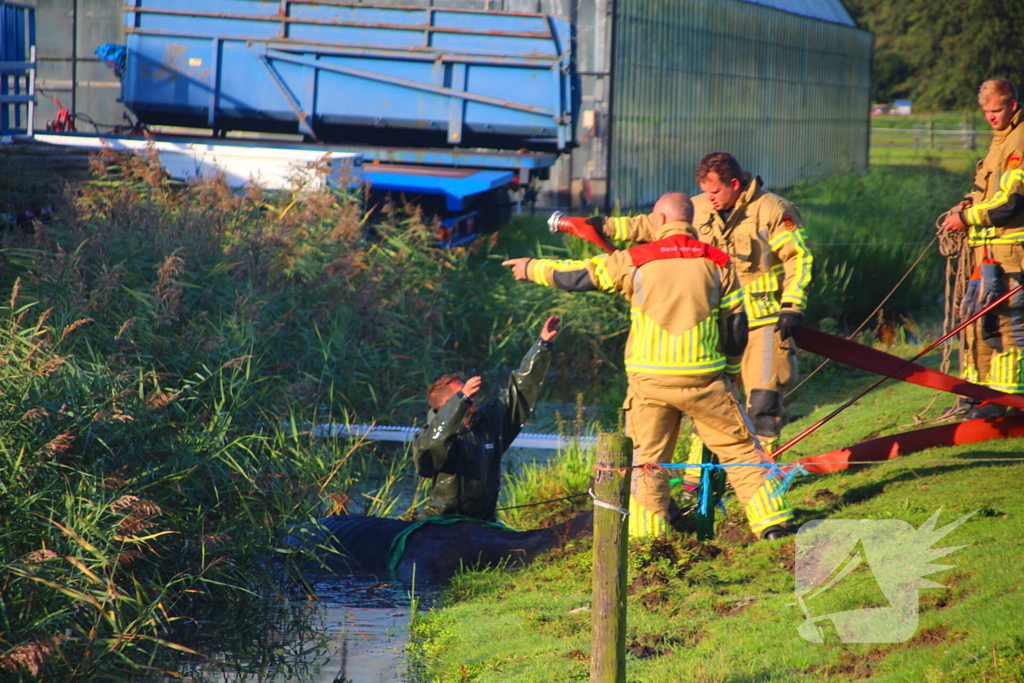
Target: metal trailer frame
(619, 47)
(318, 38)
(17, 68)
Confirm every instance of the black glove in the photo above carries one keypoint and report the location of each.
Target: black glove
(991, 282)
(788, 324)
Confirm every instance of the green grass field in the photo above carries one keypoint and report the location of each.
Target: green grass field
(165, 348)
(724, 611)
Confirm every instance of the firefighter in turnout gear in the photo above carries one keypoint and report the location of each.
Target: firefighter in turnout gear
(762, 232)
(688, 328)
(992, 213)
(460, 449)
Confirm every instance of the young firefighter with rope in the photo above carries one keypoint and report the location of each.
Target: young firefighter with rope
(762, 232)
(992, 217)
(686, 316)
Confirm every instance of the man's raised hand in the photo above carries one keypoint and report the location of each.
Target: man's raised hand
(550, 329)
(471, 386)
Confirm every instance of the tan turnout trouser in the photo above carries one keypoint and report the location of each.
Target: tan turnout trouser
(653, 416)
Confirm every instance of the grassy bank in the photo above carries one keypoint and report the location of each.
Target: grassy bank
(867, 231)
(725, 611)
(166, 349)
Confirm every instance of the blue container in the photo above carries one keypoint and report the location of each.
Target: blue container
(335, 71)
(17, 37)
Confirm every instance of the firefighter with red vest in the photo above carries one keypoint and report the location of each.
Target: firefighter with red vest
(762, 232)
(992, 213)
(688, 329)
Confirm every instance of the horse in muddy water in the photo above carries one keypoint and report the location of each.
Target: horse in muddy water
(433, 550)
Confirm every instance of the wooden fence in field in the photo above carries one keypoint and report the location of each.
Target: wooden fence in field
(927, 135)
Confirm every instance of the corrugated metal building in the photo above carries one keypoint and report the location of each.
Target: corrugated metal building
(67, 32)
(782, 84)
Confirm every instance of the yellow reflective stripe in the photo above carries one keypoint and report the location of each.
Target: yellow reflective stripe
(542, 271)
(604, 278)
(733, 368)
(675, 368)
(694, 456)
(804, 260)
(759, 296)
(644, 522)
(621, 226)
(732, 298)
(654, 349)
(980, 235)
(1006, 180)
(780, 519)
(971, 374)
(1006, 372)
(764, 511)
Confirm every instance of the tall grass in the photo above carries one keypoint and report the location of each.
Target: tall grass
(867, 230)
(164, 350)
(539, 495)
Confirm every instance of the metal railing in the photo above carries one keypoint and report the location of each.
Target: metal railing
(18, 95)
(926, 135)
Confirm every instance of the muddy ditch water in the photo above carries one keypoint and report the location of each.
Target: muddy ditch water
(359, 627)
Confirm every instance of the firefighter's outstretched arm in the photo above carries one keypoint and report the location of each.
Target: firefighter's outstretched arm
(570, 276)
(638, 228)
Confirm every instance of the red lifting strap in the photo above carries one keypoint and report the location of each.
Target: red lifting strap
(676, 246)
(888, 447)
(866, 358)
(589, 233)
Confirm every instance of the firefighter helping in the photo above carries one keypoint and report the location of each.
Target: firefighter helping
(688, 331)
(717, 287)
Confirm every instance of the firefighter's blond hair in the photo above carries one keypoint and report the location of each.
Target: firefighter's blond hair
(997, 87)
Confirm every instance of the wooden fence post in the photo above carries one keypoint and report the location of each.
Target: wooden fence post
(611, 488)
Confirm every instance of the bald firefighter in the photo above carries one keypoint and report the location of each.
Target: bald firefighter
(762, 232)
(686, 317)
(992, 213)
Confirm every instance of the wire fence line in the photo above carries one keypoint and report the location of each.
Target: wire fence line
(927, 135)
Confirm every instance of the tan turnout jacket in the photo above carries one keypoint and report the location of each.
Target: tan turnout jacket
(765, 237)
(997, 214)
(682, 293)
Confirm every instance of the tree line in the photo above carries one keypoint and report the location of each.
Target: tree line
(938, 53)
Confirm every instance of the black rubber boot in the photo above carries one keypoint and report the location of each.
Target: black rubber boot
(683, 522)
(962, 406)
(986, 410)
(774, 533)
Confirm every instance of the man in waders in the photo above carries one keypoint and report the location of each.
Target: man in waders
(686, 317)
(460, 449)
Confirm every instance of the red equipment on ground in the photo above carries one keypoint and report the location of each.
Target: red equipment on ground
(64, 122)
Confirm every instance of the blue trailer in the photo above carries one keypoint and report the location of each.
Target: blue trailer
(601, 104)
(17, 67)
(424, 87)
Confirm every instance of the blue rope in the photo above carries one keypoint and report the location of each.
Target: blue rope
(787, 480)
(704, 502)
(774, 471)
